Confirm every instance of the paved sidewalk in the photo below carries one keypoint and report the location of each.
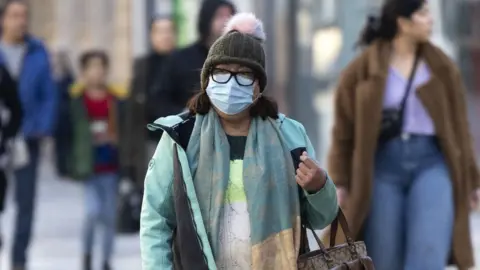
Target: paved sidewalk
(56, 244)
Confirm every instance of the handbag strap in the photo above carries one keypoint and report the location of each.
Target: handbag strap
(305, 223)
(344, 225)
(410, 81)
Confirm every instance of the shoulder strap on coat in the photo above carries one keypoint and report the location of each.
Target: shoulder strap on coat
(184, 129)
(179, 132)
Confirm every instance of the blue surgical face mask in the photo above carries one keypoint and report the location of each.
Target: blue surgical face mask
(230, 97)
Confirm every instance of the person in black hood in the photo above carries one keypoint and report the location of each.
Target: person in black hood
(147, 102)
(10, 103)
(181, 75)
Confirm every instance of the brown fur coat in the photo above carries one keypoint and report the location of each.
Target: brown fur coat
(358, 106)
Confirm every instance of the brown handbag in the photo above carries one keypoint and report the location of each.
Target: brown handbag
(349, 256)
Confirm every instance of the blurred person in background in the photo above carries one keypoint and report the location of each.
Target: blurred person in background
(64, 77)
(147, 100)
(94, 111)
(402, 154)
(9, 127)
(27, 61)
(229, 160)
(181, 74)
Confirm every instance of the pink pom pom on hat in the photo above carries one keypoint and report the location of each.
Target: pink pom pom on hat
(246, 23)
(241, 43)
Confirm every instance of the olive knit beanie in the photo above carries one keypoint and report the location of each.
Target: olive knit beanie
(241, 43)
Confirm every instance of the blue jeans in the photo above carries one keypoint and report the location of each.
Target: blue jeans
(412, 212)
(25, 189)
(101, 207)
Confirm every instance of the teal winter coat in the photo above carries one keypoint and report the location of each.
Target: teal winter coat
(172, 210)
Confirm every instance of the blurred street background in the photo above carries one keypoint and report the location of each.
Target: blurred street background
(308, 43)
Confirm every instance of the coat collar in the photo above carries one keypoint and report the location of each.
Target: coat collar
(378, 56)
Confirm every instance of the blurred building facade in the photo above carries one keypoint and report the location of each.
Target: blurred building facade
(77, 25)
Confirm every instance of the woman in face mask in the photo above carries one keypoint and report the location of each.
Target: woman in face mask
(228, 179)
(401, 154)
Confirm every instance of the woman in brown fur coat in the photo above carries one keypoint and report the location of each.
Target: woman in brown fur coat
(402, 155)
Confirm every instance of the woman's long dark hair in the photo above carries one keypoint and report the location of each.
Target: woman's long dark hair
(385, 26)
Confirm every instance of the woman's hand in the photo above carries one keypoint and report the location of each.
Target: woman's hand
(475, 199)
(310, 176)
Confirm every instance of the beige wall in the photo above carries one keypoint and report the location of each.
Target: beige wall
(77, 25)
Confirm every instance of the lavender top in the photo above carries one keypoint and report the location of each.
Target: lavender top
(416, 118)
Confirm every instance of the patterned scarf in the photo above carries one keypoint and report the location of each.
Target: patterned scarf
(269, 182)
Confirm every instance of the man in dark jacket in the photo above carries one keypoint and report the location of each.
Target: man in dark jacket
(147, 101)
(181, 76)
(64, 78)
(27, 62)
(179, 80)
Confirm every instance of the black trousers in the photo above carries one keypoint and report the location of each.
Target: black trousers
(3, 190)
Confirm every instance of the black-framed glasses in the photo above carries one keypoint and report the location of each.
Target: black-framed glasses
(243, 78)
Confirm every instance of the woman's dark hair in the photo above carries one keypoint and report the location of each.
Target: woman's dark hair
(87, 56)
(385, 26)
(264, 107)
